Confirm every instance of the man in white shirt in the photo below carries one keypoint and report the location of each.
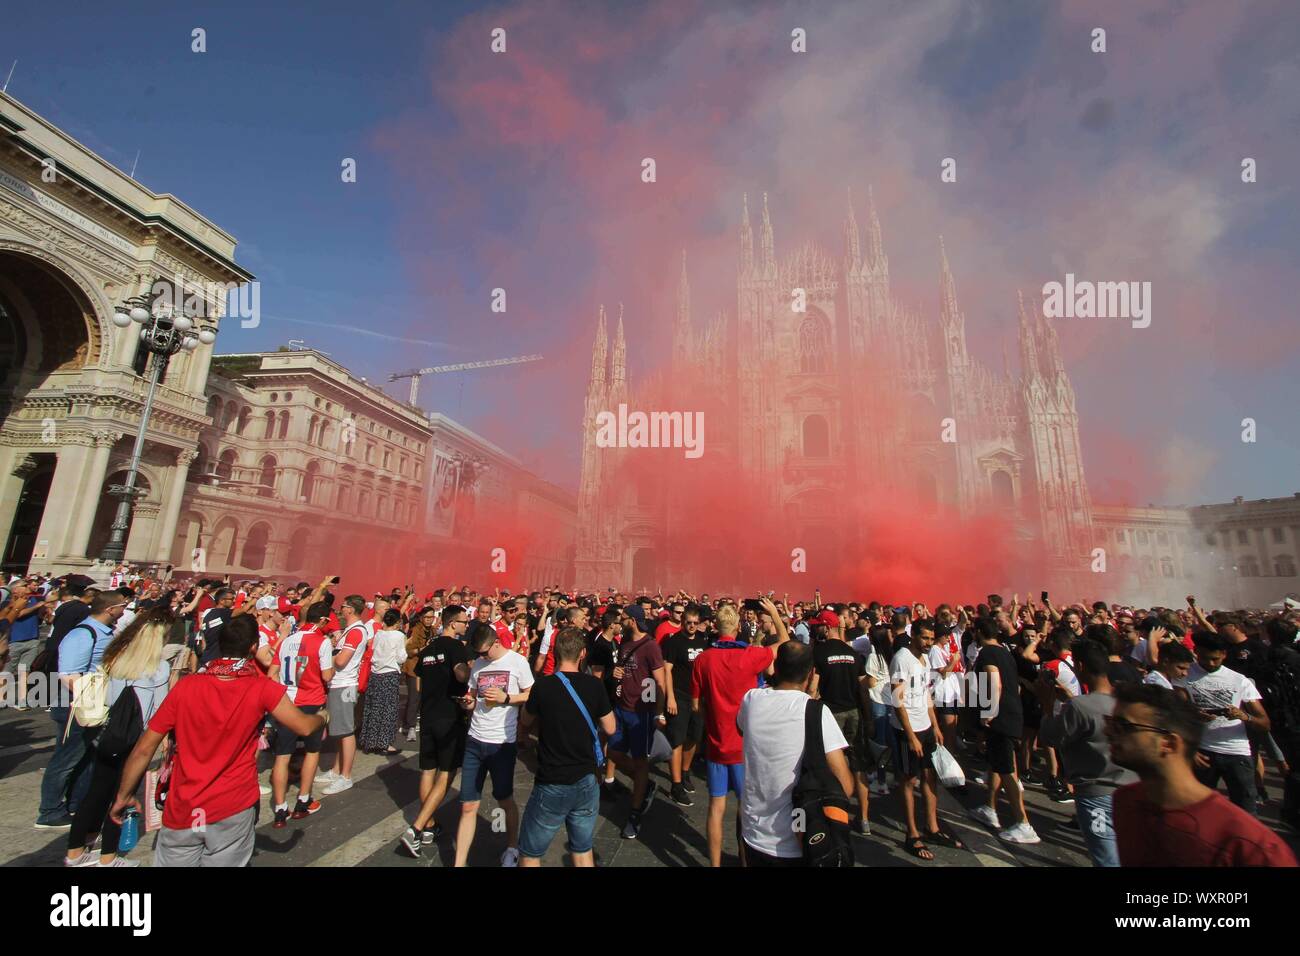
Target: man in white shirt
(771, 723)
(1230, 705)
(349, 651)
(499, 682)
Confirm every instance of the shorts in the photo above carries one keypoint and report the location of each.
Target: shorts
(908, 764)
(480, 760)
(22, 654)
(634, 734)
(285, 741)
(575, 806)
(724, 777)
(442, 743)
(343, 711)
(1000, 751)
(849, 722)
(686, 727)
(952, 709)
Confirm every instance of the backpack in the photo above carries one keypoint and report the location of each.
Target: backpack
(819, 800)
(1279, 686)
(124, 726)
(89, 691)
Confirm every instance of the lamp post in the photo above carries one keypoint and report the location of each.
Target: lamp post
(163, 335)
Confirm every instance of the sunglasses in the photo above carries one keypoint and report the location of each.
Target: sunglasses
(1125, 727)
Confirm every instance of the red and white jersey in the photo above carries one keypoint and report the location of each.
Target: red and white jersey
(506, 635)
(357, 635)
(300, 663)
(266, 635)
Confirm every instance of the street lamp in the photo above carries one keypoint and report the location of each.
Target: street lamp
(163, 335)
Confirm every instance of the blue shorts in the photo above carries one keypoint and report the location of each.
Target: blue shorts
(480, 760)
(724, 777)
(574, 806)
(634, 734)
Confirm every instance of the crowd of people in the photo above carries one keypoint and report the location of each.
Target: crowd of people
(809, 713)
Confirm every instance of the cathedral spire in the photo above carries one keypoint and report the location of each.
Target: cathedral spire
(682, 331)
(618, 368)
(1028, 342)
(852, 243)
(598, 356)
(768, 249)
(746, 238)
(948, 290)
(875, 244)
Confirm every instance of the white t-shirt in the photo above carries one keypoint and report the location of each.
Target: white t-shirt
(914, 675)
(496, 723)
(772, 724)
(1159, 679)
(876, 667)
(947, 689)
(355, 635)
(1213, 691)
(390, 652)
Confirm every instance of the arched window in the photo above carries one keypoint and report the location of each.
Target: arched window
(270, 425)
(284, 424)
(1249, 567)
(814, 345)
(311, 431)
(381, 512)
(324, 434)
(244, 415)
(225, 541)
(266, 479)
(344, 499)
(1004, 494)
(199, 466)
(226, 464)
(255, 546)
(298, 549)
(1284, 566)
(310, 482)
(1167, 567)
(816, 437)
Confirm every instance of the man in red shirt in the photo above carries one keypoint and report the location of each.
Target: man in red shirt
(505, 625)
(671, 624)
(720, 679)
(1169, 818)
(217, 716)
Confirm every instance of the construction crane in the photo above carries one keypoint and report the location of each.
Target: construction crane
(415, 373)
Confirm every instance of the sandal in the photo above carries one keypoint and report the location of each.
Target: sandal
(917, 848)
(389, 752)
(944, 838)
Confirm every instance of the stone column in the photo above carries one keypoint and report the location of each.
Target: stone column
(16, 464)
(68, 506)
(140, 539)
(96, 472)
(171, 506)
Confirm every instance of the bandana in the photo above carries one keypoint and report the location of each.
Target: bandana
(231, 667)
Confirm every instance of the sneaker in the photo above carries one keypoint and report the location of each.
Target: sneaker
(337, 786)
(610, 789)
(679, 796)
(862, 827)
(86, 859)
(412, 839)
(121, 861)
(266, 791)
(687, 783)
(1061, 796)
(281, 818)
(429, 834)
(510, 857)
(650, 792)
(986, 815)
(305, 808)
(980, 778)
(1020, 833)
(879, 789)
(632, 827)
(55, 823)
(325, 777)
(410, 736)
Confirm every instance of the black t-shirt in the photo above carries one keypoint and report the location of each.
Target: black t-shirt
(600, 653)
(439, 689)
(566, 751)
(213, 621)
(1010, 718)
(1123, 672)
(1245, 658)
(840, 670)
(680, 650)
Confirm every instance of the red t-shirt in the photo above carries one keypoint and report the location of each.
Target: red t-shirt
(217, 723)
(720, 679)
(205, 603)
(1214, 832)
(666, 630)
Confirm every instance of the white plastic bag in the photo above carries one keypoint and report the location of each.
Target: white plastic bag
(948, 769)
(660, 749)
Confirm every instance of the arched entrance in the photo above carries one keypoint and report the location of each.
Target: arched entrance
(27, 516)
(645, 569)
(107, 510)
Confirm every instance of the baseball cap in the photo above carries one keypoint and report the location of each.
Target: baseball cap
(637, 613)
(827, 617)
(268, 603)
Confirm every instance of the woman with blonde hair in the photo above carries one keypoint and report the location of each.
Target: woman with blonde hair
(134, 663)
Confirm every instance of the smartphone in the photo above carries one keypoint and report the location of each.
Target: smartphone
(753, 604)
(334, 580)
(1044, 597)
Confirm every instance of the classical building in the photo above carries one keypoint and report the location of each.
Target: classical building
(813, 429)
(77, 238)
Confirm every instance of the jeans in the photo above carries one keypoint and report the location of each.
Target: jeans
(92, 815)
(882, 732)
(67, 775)
(1237, 771)
(1096, 818)
(576, 806)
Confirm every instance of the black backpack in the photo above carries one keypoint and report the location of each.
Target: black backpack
(124, 727)
(819, 802)
(1279, 684)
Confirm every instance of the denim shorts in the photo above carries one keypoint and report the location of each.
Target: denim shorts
(575, 806)
(634, 733)
(482, 759)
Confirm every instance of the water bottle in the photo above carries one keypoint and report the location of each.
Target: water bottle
(130, 832)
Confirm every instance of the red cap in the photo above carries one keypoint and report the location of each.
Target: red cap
(828, 617)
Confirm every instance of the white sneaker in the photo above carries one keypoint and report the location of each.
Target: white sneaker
(89, 858)
(121, 861)
(879, 789)
(266, 791)
(986, 815)
(338, 786)
(325, 777)
(410, 736)
(510, 857)
(1020, 833)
